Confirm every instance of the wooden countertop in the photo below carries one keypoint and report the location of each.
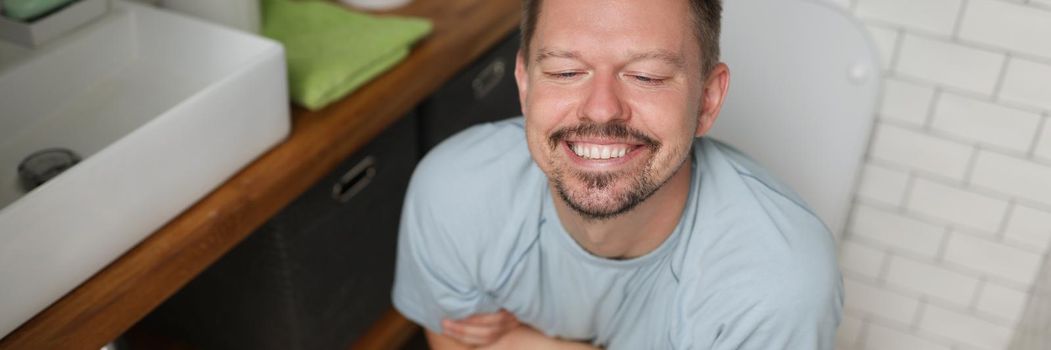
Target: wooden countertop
(115, 298)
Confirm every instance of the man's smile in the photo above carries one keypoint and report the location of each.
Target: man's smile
(597, 150)
(601, 155)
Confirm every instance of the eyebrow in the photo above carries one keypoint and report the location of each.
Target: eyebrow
(662, 55)
(546, 53)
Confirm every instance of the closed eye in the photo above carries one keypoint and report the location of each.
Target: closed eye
(648, 80)
(563, 75)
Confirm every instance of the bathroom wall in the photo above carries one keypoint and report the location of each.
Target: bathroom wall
(953, 214)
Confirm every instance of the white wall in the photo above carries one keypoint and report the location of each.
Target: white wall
(953, 214)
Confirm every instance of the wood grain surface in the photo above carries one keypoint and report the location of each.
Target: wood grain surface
(118, 296)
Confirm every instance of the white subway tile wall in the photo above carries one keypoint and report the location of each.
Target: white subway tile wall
(861, 259)
(1029, 227)
(1003, 303)
(879, 303)
(1009, 26)
(883, 184)
(906, 102)
(932, 281)
(986, 123)
(949, 205)
(952, 219)
(943, 62)
(896, 231)
(995, 259)
(966, 328)
(1019, 177)
(917, 149)
(1043, 147)
(1027, 83)
(935, 16)
(880, 337)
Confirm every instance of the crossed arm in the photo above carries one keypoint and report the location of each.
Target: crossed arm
(495, 331)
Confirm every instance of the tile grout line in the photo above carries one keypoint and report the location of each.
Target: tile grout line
(943, 246)
(918, 317)
(972, 163)
(967, 93)
(999, 86)
(961, 141)
(1040, 125)
(1002, 230)
(928, 123)
(863, 334)
(910, 184)
(927, 258)
(978, 292)
(959, 20)
(899, 42)
(884, 269)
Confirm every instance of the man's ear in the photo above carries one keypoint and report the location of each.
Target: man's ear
(712, 97)
(521, 78)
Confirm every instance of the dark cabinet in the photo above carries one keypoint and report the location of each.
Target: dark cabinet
(484, 91)
(317, 274)
(320, 272)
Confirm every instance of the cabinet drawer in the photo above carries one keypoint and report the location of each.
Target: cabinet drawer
(318, 273)
(484, 91)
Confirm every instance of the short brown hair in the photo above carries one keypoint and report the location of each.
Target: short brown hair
(705, 14)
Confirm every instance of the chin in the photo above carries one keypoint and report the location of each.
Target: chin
(603, 196)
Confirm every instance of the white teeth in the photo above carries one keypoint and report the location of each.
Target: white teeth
(599, 151)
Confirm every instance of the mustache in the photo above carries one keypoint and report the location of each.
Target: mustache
(612, 130)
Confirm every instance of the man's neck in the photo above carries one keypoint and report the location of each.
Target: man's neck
(637, 232)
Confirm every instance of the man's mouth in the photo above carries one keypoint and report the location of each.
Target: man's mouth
(602, 146)
(594, 151)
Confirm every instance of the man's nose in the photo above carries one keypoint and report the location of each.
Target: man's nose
(603, 102)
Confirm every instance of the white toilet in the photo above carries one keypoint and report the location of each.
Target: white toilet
(804, 79)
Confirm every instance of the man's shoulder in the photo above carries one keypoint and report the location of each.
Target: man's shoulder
(750, 196)
(756, 257)
(755, 174)
(482, 156)
(477, 179)
(753, 232)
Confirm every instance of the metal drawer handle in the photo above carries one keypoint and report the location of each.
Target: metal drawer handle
(355, 180)
(488, 79)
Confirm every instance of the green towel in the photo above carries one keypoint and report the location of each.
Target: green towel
(332, 51)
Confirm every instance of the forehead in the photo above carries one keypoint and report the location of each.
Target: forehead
(628, 26)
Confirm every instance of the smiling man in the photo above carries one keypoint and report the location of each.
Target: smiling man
(603, 218)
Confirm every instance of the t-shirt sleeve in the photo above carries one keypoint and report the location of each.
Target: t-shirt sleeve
(433, 279)
(788, 317)
(804, 323)
(776, 286)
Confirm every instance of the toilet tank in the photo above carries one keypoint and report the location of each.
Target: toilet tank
(804, 79)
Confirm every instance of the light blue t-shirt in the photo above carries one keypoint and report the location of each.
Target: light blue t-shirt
(749, 266)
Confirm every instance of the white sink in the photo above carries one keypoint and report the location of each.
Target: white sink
(162, 108)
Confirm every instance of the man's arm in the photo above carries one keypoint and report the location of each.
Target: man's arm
(497, 330)
(523, 337)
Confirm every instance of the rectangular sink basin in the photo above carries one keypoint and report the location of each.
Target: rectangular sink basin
(161, 108)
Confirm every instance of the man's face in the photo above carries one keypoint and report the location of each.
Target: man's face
(611, 92)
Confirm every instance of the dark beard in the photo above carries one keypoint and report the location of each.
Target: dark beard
(643, 187)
